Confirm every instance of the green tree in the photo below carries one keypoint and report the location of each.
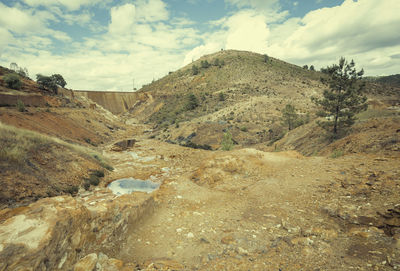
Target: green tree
(227, 142)
(312, 68)
(59, 80)
(216, 62)
(343, 99)
(266, 58)
(47, 82)
(13, 81)
(290, 116)
(205, 64)
(195, 70)
(192, 102)
(20, 106)
(305, 67)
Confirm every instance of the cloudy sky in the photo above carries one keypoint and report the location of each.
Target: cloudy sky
(106, 45)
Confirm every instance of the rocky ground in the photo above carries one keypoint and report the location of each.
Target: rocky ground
(253, 210)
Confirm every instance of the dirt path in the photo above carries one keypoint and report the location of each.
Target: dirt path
(252, 210)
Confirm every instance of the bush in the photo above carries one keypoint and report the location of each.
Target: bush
(13, 81)
(93, 180)
(86, 185)
(98, 173)
(227, 142)
(221, 96)
(337, 153)
(244, 129)
(20, 106)
(192, 145)
(192, 102)
(72, 189)
(195, 70)
(205, 64)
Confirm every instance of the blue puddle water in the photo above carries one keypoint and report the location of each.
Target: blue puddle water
(129, 185)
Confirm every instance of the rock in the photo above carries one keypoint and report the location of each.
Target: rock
(190, 235)
(71, 226)
(305, 241)
(325, 234)
(242, 251)
(360, 232)
(164, 264)
(227, 240)
(87, 263)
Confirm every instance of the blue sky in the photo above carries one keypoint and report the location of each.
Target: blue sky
(105, 44)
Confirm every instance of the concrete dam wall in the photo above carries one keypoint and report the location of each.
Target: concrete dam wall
(115, 102)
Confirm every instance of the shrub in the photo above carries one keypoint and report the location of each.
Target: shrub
(337, 153)
(13, 81)
(227, 142)
(98, 173)
(20, 106)
(243, 129)
(195, 70)
(221, 96)
(72, 189)
(266, 58)
(86, 185)
(205, 64)
(192, 102)
(193, 145)
(93, 180)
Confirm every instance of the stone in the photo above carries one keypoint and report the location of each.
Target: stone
(87, 263)
(242, 251)
(226, 240)
(72, 226)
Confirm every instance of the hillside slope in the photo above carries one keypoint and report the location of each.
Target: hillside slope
(243, 93)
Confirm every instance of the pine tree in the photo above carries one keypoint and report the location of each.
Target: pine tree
(289, 116)
(344, 98)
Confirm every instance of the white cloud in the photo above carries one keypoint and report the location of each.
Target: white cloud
(354, 29)
(122, 19)
(152, 10)
(247, 31)
(69, 4)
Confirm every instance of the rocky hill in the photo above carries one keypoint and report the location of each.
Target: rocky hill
(244, 93)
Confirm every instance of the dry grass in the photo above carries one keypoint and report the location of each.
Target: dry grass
(17, 144)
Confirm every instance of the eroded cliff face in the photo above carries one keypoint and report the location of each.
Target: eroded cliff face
(54, 233)
(115, 102)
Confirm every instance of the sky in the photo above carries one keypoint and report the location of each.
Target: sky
(119, 45)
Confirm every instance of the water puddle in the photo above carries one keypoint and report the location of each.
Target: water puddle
(129, 185)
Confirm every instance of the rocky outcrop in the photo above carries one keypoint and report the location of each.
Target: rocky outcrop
(55, 233)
